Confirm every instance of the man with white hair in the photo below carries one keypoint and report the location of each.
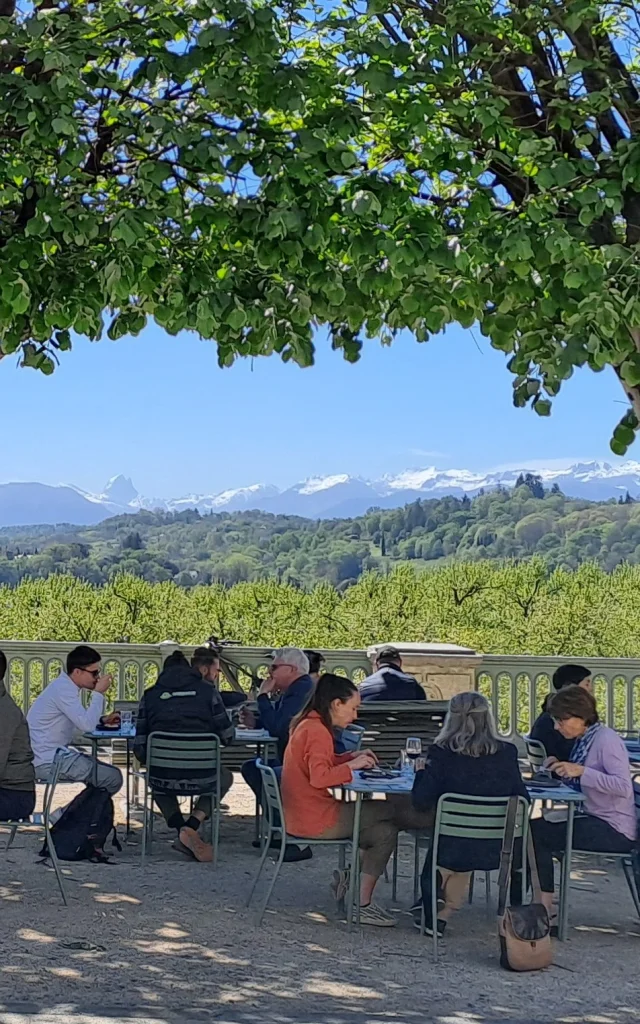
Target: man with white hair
(288, 678)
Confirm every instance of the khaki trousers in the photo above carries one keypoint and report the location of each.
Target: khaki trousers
(378, 832)
(454, 888)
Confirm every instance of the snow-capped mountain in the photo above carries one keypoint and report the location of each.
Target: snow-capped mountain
(336, 496)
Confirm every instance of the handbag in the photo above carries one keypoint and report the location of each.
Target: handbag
(524, 932)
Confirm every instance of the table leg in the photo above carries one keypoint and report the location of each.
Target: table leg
(563, 920)
(94, 768)
(127, 790)
(353, 900)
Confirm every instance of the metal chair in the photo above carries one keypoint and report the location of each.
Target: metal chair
(276, 830)
(471, 817)
(190, 751)
(536, 754)
(630, 862)
(40, 821)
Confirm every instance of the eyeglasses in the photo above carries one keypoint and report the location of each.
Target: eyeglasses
(94, 672)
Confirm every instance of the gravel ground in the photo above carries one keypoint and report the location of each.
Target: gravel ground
(176, 942)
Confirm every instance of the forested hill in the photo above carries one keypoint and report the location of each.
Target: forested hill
(229, 548)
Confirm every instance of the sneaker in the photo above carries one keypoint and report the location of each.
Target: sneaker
(428, 927)
(201, 851)
(340, 885)
(374, 915)
(293, 854)
(181, 848)
(417, 907)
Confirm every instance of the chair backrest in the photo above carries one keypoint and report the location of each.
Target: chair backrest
(271, 798)
(199, 751)
(476, 817)
(388, 723)
(536, 753)
(352, 737)
(636, 799)
(127, 705)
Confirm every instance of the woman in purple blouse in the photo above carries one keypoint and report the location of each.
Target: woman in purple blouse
(599, 767)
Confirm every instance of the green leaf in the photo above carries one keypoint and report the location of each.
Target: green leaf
(542, 406)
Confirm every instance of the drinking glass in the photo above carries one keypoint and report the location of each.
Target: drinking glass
(126, 721)
(413, 748)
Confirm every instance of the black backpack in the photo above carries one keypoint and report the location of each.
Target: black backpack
(84, 827)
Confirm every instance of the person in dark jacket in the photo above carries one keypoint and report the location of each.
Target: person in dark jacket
(183, 702)
(544, 728)
(316, 664)
(467, 758)
(206, 661)
(17, 776)
(389, 682)
(289, 677)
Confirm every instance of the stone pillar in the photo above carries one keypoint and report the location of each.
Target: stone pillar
(442, 669)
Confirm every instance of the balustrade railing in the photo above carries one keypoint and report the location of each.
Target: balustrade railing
(517, 686)
(134, 667)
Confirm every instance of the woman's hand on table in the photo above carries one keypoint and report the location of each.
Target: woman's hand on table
(568, 770)
(369, 753)
(550, 763)
(247, 719)
(363, 760)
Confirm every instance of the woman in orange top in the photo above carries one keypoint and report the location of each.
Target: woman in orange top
(311, 768)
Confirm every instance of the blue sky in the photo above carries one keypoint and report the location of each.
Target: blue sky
(159, 410)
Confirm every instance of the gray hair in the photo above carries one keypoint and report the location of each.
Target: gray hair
(469, 727)
(292, 656)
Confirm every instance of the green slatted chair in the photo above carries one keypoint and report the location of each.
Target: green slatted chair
(40, 821)
(276, 829)
(192, 751)
(472, 817)
(536, 754)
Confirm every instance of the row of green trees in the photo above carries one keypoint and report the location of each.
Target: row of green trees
(193, 549)
(511, 609)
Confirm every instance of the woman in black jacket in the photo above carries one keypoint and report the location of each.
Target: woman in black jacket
(468, 758)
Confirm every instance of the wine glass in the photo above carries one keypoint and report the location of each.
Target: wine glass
(413, 748)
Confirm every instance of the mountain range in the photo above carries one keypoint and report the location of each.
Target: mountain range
(330, 497)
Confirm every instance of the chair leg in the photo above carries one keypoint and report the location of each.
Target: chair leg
(263, 860)
(416, 867)
(145, 822)
(56, 868)
(627, 867)
(215, 827)
(394, 871)
(487, 885)
(272, 883)
(12, 835)
(471, 881)
(434, 906)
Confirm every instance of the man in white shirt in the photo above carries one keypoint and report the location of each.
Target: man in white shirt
(58, 714)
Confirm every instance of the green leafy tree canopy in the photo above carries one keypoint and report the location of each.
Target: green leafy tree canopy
(250, 171)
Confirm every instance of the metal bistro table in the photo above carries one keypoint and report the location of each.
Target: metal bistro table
(399, 784)
(266, 746)
(102, 736)
(404, 784)
(572, 798)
